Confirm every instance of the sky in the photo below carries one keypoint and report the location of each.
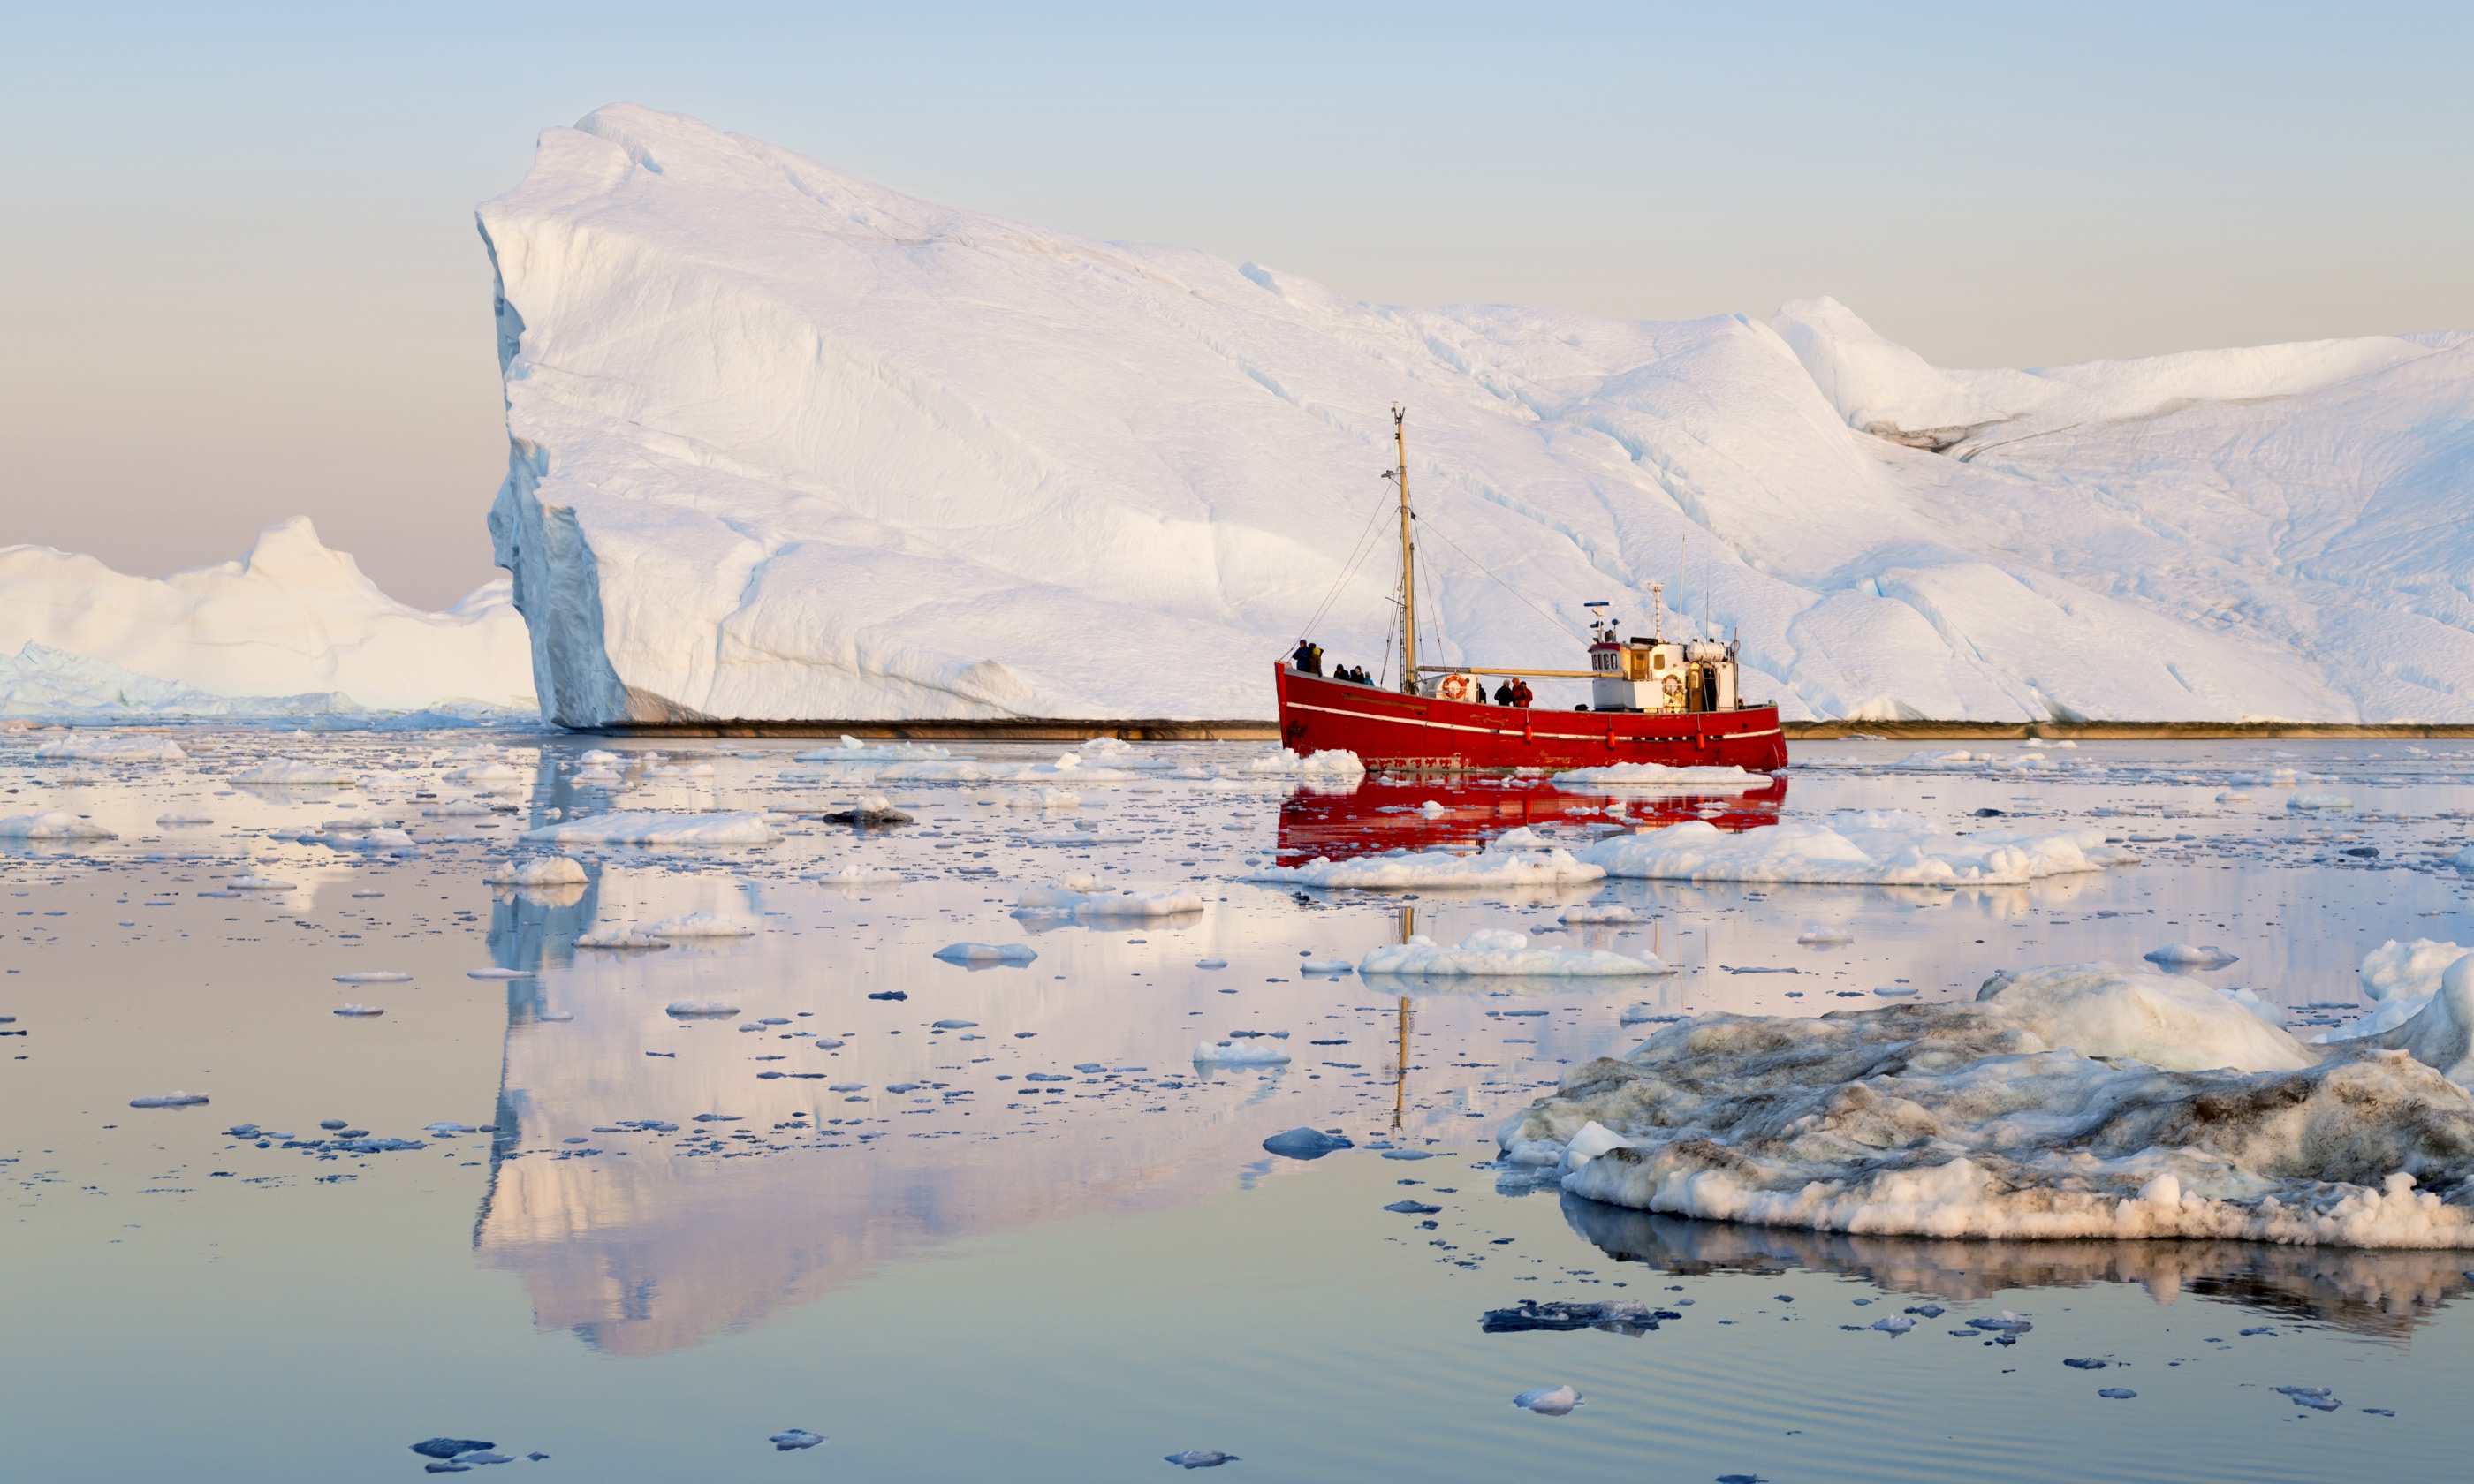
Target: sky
(239, 278)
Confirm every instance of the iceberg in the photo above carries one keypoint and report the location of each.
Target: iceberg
(787, 444)
(291, 628)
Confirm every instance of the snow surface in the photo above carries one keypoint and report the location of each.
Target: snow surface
(291, 628)
(2076, 1101)
(1871, 847)
(785, 443)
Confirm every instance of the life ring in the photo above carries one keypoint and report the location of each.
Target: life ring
(1674, 686)
(1457, 687)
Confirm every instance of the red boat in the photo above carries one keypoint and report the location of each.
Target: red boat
(1653, 699)
(1385, 812)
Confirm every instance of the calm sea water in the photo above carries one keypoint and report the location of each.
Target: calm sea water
(950, 1270)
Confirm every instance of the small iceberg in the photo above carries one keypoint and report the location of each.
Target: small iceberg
(984, 955)
(2183, 955)
(1492, 951)
(170, 1100)
(1239, 1053)
(540, 870)
(1548, 1400)
(700, 1009)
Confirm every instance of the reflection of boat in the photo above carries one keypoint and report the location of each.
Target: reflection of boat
(1388, 810)
(2368, 1291)
(1652, 699)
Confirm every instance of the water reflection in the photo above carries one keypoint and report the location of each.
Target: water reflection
(2380, 1293)
(1447, 811)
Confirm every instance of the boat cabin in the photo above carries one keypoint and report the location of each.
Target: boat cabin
(1660, 675)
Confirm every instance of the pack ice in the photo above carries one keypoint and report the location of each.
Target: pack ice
(293, 627)
(2083, 1100)
(785, 443)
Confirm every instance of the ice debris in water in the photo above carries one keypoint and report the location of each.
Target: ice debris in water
(1822, 935)
(2320, 1399)
(952, 1025)
(1549, 1400)
(1240, 1053)
(1492, 951)
(1408, 1208)
(1080, 895)
(1334, 967)
(1200, 1458)
(986, 954)
(358, 1010)
(375, 977)
(1876, 848)
(1895, 1324)
(448, 1448)
(1658, 776)
(1306, 1143)
(647, 827)
(694, 1009)
(2116, 1393)
(702, 924)
(555, 1015)
(792, 1438)
(873, 809)
(624, 940)
(170, 1100)
(2076, 1101)
(2310, 800)
(1211, 962)
(293, 772)
(1588, 913)
(257, 883)
(112, 749)
(1502, 863)
(540, 870)
(2183, 955)
(498, 974)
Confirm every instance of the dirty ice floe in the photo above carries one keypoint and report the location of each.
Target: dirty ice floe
(986, 954)
(1306, 1143)
(109, 748)
(1240, 1053)
(872, 809)
(790, 1438)
(1080, 895)
(51, 825)
(2183, 955)
(1492, 951)
(2076, 1101)
(1499, 864)
(293, 772)
(694, 1009)
(540, 870)
(1658, 776)
(649, 826)
(1876, 848)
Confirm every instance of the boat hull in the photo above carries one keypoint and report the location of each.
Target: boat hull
(1386, 729)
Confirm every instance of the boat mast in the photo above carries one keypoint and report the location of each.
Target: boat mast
(1408, 556)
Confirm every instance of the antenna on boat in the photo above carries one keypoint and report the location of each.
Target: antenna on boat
(1408, 556)
(1657, 612)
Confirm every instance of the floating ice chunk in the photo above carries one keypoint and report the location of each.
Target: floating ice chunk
(176, 819)
(1492, 951)
(1591, 912)
(702, 924)
(293, 772)
(1433, 809)
(1211, 962)
(1043, 798)
(1078, 897)
(1200, 1458)
(953, 1025)
(1549, 1400)
(700, 1009)
(647, 827)
(1239, 1053)
(498, 974)
(1435, 869)
(2183, 955)
(986, 953)
(1823, 935)
(1306, 1143)
(1408, 1208)
(448, 1448)
(873, 809)
(2320, 1399)
(375, 977)
(170, 1100)
(1883, 848)
(556, 1016)
(2233, 796)
(792, 1438)
(1334, 967)
(492, 775)
(51, 825)
(256, 883)
(853, 873)
(359, 1010)
(2116, 1393)
(1329, 763)
(2317, 800)
(112, 749)
(1652, 775)
(852, 750)
(624, 940)
(1895, 1324)
(595, 778)
(540, 870)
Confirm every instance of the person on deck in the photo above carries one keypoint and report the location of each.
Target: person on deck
(1308, 658)
(1503, 694)
(1522, 695)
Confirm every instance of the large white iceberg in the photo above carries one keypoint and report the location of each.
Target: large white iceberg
(786, 444)
(291, 628)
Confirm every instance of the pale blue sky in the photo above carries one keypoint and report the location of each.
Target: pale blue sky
(241, 280)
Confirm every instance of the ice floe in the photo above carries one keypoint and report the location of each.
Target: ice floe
(540, 870)
(701, 924)
(1549, 1400)
(1597, 914)
(295, 773)
(1080, 897)
(108, 747)
(700, 1009)
(648, 827)
(2076, 1101)
(1240, 1053)
(1306, 1143)
(170, 1100)
(51, 825)
(1495, 952)
(2183, 955)
(986, 954)
(1875, 848)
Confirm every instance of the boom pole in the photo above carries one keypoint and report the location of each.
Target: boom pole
(1408, 558)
